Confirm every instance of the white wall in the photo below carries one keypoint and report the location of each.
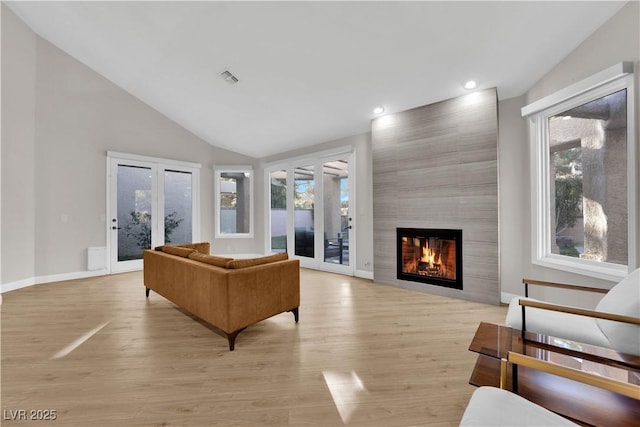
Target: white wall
(18, 144)
(616, 41)
(513, 191)
(63, 118)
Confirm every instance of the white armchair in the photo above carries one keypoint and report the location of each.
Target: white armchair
(492, 406)
(614, 324)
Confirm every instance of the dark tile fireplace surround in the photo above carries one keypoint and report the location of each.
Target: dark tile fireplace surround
(432, 256)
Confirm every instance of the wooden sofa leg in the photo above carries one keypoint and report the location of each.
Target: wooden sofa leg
(295, 313)
(147, 291)
(232, 338)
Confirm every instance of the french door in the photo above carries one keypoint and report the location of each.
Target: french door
(151, 202)
(310, 215)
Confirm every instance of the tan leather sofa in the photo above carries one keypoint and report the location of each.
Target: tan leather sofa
(230, 294)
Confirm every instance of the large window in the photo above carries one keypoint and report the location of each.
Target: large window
(583, 176)
(234, 200)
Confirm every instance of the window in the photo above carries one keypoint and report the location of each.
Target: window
(278, 218)
(234, 199)
(584, 178)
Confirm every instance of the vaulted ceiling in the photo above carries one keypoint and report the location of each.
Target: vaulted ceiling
(310, 72)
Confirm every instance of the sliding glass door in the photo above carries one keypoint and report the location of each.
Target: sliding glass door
(150, 204)
(278, 211)
(337, 219)
(311, 218)
(304, 210)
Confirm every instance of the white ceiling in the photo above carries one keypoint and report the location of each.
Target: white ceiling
(310, 72)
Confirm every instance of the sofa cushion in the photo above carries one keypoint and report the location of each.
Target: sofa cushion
(218, 261)
(557, 324)
(182, 245)
(491, 406)
(177, 250)
(624, 299)
(202, 247)
(250, 262)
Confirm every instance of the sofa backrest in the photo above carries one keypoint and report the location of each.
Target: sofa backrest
(624, 299)
(200, 252)
(202, 247)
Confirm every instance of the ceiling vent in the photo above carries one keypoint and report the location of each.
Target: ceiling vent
(228, 77)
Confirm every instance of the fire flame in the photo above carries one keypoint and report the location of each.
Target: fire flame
(428, 256)
(419, 258)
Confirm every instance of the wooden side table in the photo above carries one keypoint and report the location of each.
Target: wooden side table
(580, 402)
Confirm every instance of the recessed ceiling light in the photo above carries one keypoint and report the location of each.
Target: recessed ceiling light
(471, 84)
(378, 110)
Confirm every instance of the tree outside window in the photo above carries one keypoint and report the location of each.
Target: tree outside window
(583, 162)
(587, 149)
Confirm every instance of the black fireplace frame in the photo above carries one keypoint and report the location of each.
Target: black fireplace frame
(448, 234)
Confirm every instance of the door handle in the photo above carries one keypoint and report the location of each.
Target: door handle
(116, 228)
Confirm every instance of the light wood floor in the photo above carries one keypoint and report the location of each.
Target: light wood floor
(100, 354)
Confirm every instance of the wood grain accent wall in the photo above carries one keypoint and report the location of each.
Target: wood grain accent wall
(436, 166)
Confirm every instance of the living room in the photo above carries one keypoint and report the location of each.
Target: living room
(60, 119)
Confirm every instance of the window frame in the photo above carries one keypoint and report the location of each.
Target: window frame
(218, 171)
(614, 79)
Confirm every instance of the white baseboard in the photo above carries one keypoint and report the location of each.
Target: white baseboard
(506, 297)
(12, 286)
(364, 274)
(24, 283)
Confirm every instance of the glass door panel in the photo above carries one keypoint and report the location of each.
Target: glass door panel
(150, 204)
(311, 219)
(335, 181)
(278, 215)
(134, 212)
(177, 207)
(304, 201)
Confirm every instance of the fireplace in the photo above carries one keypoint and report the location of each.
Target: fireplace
(431, 256)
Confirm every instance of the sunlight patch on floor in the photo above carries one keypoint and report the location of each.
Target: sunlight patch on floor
(78, 342)
(347, 391)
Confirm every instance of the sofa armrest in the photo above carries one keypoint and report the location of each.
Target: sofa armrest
(528, 282)
(259, 292)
